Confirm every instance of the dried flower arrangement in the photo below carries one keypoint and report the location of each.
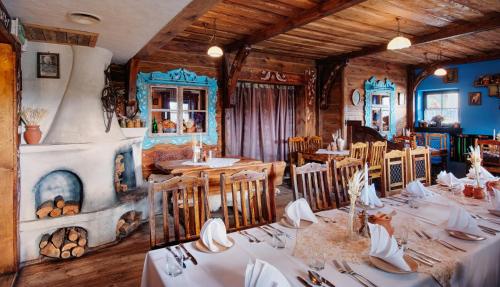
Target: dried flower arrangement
(32, 116)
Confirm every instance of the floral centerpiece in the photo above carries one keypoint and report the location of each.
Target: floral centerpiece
(475, 160)
(355, 185)
(438, 120)
(32, 118)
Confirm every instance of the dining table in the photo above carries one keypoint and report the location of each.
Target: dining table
(473, 263)
(322, 155)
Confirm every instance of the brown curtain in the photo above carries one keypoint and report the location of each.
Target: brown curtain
(260, 122)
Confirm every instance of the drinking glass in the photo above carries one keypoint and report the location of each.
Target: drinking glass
(413, 201)
(174, 267)
(279, 240)
(402, 235)
(317, 259)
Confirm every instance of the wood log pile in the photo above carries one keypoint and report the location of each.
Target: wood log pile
(128, 223)
(64, 243)
(57, 207)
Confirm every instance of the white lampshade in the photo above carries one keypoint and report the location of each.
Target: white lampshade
(399, 42)
(440, 72)
(215, 52)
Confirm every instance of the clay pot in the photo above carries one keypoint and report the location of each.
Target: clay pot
(32, 135)
(479, 193)
(468, 190)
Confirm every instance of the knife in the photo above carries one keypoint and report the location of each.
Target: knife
(195, 262)
(322, 279)
(267, 232)
(176, 256)
(303, 281)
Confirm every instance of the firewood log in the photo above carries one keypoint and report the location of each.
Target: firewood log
(71, 208)
(77, 251)
(73, 234)
(123, 229)
(82, 242)
(59, 201)
(58, 237)
(50, 250)
(65, 254)
(130, 216)
(44, 240)
(56, 212)
(44, 209)
(68, 245)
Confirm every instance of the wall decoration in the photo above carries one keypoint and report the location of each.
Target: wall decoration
(268, 75)
(47, 65)
(380, 100)
(451, 76)
(475, 99)
(356, 97)
(401, 98)
(490, 81)
(310, 76)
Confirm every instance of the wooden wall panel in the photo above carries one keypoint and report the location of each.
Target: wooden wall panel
(8, 161)
(330, 119)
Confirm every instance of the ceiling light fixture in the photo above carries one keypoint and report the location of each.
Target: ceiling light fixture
(214, 51)
(399, 42)
(84, 18)
(440, 71)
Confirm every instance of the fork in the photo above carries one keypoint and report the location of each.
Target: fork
(250, 239)
(179, 250)
(343, 271)
(251, 235)
(353, 273)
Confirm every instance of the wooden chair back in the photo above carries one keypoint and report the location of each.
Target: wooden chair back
(343, 170)
(312, 182)
(490, 153)
(376, 159)
(419, 164)
(359, 150)
(314, 143)
(437, 141)
(295, 145)
(187, 196)
(252, 189)
(407, 141)
(394, 172)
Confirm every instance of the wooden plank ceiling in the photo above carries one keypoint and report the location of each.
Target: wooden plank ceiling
(352, 28)
(40, 33)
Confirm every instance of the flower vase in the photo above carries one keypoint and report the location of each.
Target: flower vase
(352, 233)
(340, 144)
(32, 135)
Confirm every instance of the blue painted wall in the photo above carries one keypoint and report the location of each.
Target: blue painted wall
(473, 119)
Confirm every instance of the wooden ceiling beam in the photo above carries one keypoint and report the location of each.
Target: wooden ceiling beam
(489, 22)
(178, 24)
(488, 56)
(324, 9)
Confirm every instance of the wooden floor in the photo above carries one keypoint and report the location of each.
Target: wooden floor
(118, 265)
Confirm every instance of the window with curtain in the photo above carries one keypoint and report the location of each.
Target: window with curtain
(260, 120)
(443, 103)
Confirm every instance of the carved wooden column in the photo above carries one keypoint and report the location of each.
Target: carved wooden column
(310, 103)
(328, 72)
(413, 80)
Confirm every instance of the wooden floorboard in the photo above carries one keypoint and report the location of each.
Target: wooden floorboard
(119, 265)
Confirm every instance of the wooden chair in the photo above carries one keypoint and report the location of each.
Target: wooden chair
(407, 141)
(419, 164)
(187, 196)
(394, 172)
(490, 153)
(252, 190)
(343, 170)
(439, 149)
(359, 150)
(314, 143)
(312, 182)
(295, 145)
(376, 159)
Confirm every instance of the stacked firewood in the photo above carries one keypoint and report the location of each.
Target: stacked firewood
(128, 223)
(64, 243)
(57, 207)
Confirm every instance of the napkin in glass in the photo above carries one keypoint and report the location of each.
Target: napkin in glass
(213, 231)
(416, 188)
(461, 220)
(369, 196)
(386, 248)
(483, 173)
(496, 200)
(263, 274)
(298, 210)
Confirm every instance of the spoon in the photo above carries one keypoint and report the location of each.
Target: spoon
(314, 280)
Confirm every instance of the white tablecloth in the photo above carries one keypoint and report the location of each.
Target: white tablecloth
(332, 152)
(478, 267)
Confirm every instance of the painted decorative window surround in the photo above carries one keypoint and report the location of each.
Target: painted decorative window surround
(178, 77)
(388, 88)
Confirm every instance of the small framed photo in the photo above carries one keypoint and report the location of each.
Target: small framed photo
(47, 65)
(401, 98)
(451, 76)
(475, 99)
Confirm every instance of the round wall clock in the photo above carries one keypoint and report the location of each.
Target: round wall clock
(356, 97)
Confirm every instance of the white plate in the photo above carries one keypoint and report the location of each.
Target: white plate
(201, 247)
(388, 267)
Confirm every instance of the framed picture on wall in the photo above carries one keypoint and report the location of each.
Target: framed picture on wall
(451, 76)
(475, 99)
(401, 98)
(47, 65)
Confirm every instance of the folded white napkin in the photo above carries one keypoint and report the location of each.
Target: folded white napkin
(483, 173)
(448, 179)
(263, 274)
(299, 210)
(496, 200)
(416, 188)
(385, 247)
(369, 196)
(214, 230)
(461, 220)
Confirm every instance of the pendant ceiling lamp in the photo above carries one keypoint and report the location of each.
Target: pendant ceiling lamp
(399, 42)
(440, 71)
(214, 51)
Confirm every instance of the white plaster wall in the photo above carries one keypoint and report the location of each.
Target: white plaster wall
(45, 93)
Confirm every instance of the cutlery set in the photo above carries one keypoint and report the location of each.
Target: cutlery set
(346, 269)
(425, 235)
(251, 238)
